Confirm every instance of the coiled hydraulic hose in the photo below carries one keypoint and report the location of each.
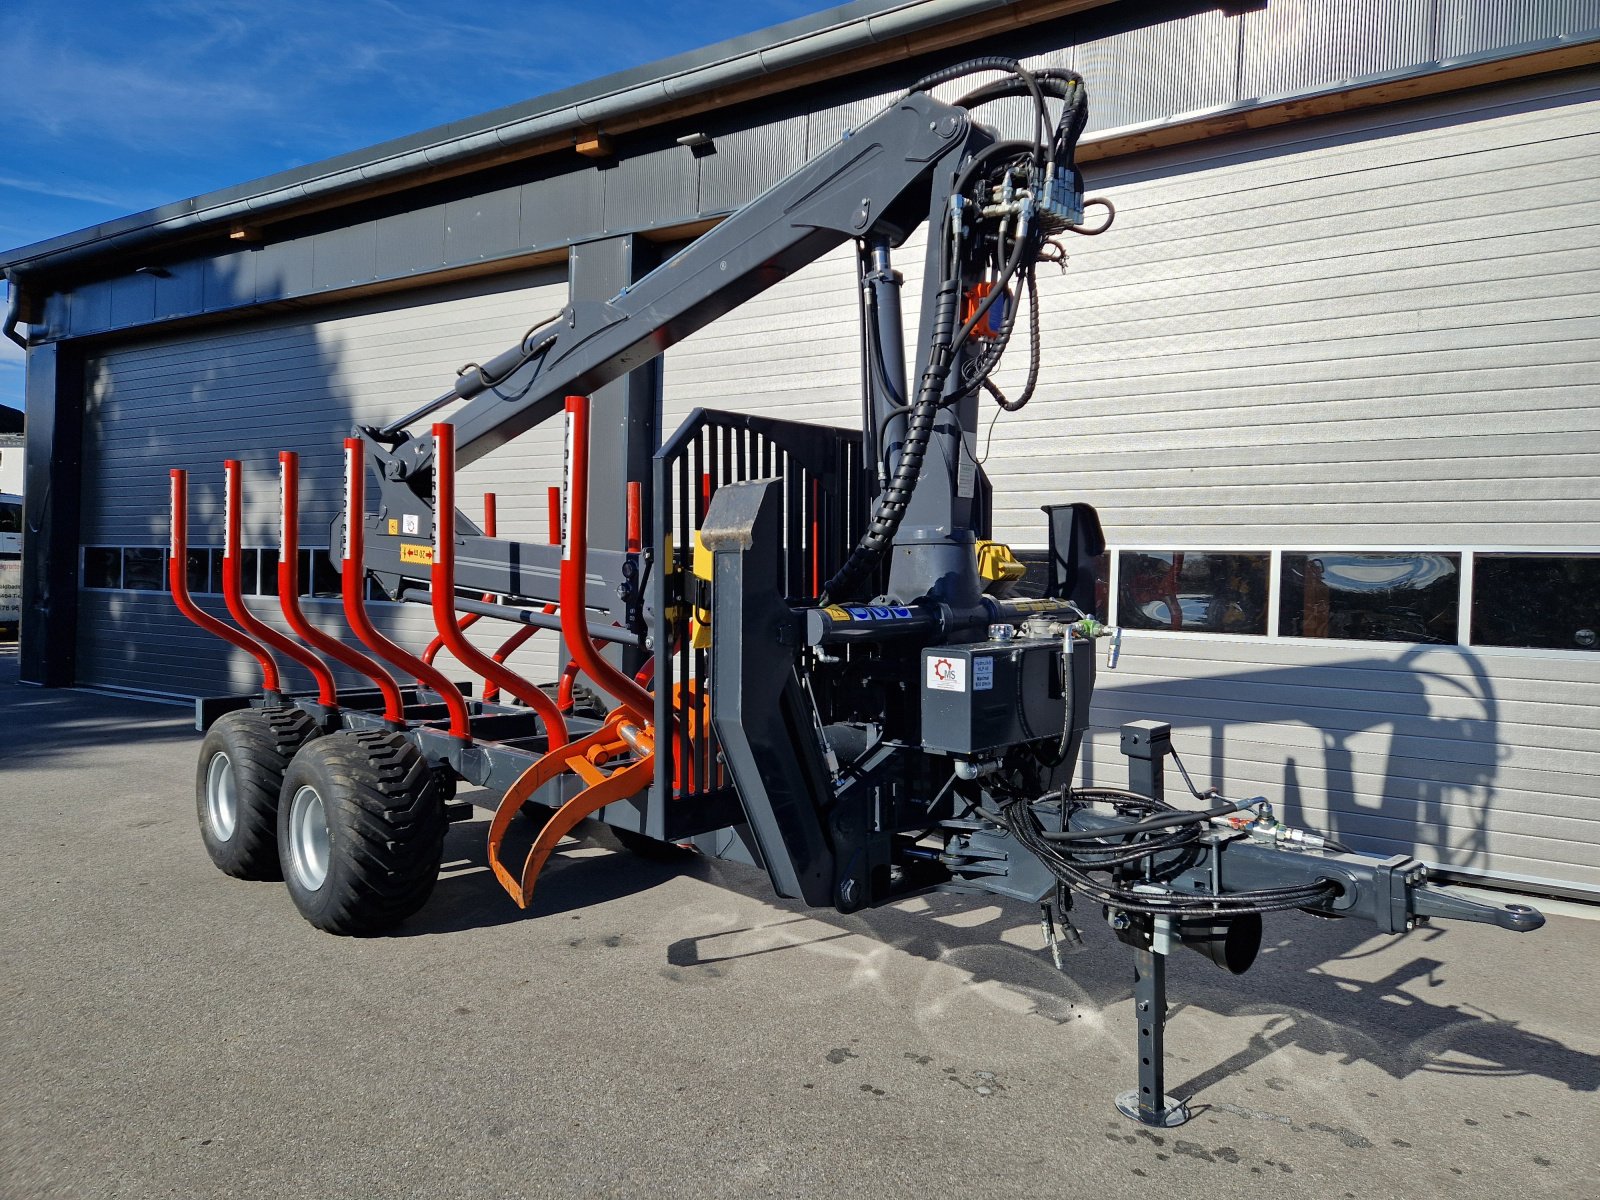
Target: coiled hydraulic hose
(1170, 829)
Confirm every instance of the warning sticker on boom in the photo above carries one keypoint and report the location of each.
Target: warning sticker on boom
(416, 554)
(947, 674)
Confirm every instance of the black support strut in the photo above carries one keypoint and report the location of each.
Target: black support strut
(1149, 1104)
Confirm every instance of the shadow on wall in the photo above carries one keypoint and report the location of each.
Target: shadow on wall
(1429, 790)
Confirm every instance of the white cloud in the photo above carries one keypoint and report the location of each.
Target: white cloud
(74, 191)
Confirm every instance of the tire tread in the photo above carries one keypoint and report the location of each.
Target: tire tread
(386, 818)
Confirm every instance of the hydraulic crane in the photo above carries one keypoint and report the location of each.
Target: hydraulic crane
(807, 654)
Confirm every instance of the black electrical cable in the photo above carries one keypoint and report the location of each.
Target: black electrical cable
(1032, 380)
(529, 353)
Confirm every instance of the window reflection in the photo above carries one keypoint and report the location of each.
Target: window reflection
(197, 570)
(1373, 597)
(1542, 601)
(1197, 591)
(144, 568)
(102, 566)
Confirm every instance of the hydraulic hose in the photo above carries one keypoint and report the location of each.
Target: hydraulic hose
(1018, 818)
(945, 340)
(896, 496)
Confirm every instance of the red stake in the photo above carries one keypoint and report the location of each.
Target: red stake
(468, 620)
(442, 584)
(490, 691)
(233, 593)
(289, 595)
(178, 580)
(635, 537)
(574, 575)
(353, 582)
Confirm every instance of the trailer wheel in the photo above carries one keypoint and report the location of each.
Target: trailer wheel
(237, 782)
(361, 826)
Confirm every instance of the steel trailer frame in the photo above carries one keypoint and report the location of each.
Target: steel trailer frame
(802, 648)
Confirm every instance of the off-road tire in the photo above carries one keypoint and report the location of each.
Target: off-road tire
(258, 744)
(385, 819)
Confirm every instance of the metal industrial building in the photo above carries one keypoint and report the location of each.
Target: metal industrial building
(1332, 380)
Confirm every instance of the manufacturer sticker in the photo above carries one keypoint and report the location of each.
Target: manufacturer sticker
(983, 674)
(416, 554)
(947, 674)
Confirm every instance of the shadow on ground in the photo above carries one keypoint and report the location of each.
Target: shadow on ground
(60, 720)
(1298, 990)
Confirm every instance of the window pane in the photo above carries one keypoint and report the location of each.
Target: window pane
(324, 578)
(249, 569)
(1540, 600)
(102, 566)
(1197, 591)
(1370, 597)
(199, 573)
(269, 572)
(10, 517)
(216, 573)
(143, 568)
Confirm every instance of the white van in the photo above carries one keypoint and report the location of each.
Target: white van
(10, 562)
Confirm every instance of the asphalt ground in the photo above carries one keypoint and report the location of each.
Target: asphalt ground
(673, 1031)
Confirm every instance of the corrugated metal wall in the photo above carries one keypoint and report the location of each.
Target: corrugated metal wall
(287, 383)
(1378, 330)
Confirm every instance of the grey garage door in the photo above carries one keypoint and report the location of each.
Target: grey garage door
(247, 391)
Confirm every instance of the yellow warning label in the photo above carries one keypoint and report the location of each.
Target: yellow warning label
(394, 526)
(416, 554)
(837, 613)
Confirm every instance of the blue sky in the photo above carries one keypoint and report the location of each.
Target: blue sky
(116, 107)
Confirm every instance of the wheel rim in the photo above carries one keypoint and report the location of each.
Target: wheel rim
(308, 838)
(222, 801)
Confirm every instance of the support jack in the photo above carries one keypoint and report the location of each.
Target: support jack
(1149, 1103)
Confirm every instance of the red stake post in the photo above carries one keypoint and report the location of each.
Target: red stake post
(353, 582)
(289, 594)
(468, 620)
(575, 577)
(233, 592)
(509, 646)
(442, 585)
(178, 580)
